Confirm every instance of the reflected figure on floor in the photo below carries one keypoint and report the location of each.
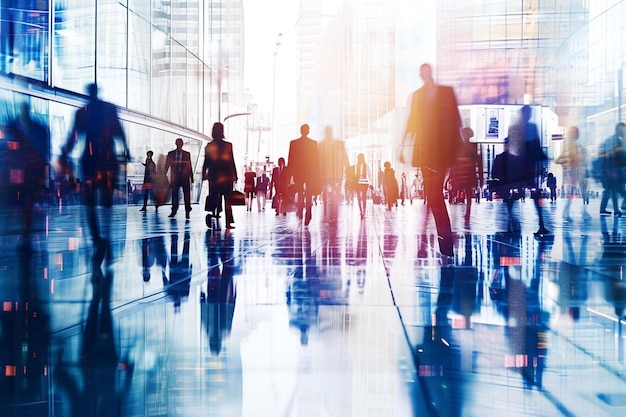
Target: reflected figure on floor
(357, 257)
(99, 131)
(179, 283)
(221, 173)
(218, 302)
(178, 163)
(102, 385)
(573, 159)
(434, 127)
(438, 358)
(333, 164)
(249, 187)
(572, 275)
(302, 291)
(26, 334)
(153, 253)
(24, 168)
(148, 178)
(612, 157)
(362, 183)
(304, 171)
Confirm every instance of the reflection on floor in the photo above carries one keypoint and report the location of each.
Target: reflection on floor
(168, 318)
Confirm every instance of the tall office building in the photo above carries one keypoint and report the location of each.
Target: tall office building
(173, 67)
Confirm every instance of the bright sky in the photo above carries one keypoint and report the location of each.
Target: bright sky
(263, 21)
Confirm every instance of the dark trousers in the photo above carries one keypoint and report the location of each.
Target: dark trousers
(433, 191)
(612, 190)
(186, 186)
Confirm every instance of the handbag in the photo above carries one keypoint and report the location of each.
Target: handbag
(237, 198)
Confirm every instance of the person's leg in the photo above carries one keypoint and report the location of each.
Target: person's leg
(145, 198)
(187, 196)
(175, 197)
(308, 202)
(536, 196)
(605, 196)
(433, 189)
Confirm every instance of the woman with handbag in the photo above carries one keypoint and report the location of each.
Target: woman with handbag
(220, 171)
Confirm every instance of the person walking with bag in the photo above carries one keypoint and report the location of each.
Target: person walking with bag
(220, 171)
(148, 178)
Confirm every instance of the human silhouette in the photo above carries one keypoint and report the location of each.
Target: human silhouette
(551, 183)
(179, 282)
(218, 302)
(221, 173)
(304, 170)
(262, 185)
(148, 178)
(103, 385)
(466, 173)
(612, 156)
(362, 183)
(573, 160)
(434, 125)
(390, 186)
(333, 164)
(249, 187)
(25, 168)
(278, 184)
(178, 163)
(98, 128)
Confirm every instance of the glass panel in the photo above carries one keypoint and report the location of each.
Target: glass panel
(74, 43)
(139, 64)
(111, 51)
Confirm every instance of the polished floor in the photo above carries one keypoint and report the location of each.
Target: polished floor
(273, 318)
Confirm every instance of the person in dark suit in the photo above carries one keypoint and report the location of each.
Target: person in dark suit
(304, 170)
(220, 171)
(279, 185)
(97, 125)
(148, 178)
(178, 162)
(434, 125)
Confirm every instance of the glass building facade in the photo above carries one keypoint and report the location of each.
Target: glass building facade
(172, 67)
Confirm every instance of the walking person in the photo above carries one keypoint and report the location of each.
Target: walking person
(551, 183)
(333, 165)
(279, 184)
(390, 186)
(573, 161)
(434, 126)
(262, 184)
(249, 187)
(97, 125)
(220, 171)
(178, 162)
(304, 171)
(464, 172)
(148, 178)
(362, 174)
(613, 160)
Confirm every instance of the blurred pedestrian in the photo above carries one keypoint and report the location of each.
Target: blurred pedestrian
(362, 173)
(262, 184)
(249, 187)
(148, 178)
(574, 162)
(333, 165)
(178, 163)
(98, 127)
(390, 186)
(220, 171)
(551, 184)
(279, 184)
(434, 126)
(465, 171)
(304, 171)
(612, 157)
